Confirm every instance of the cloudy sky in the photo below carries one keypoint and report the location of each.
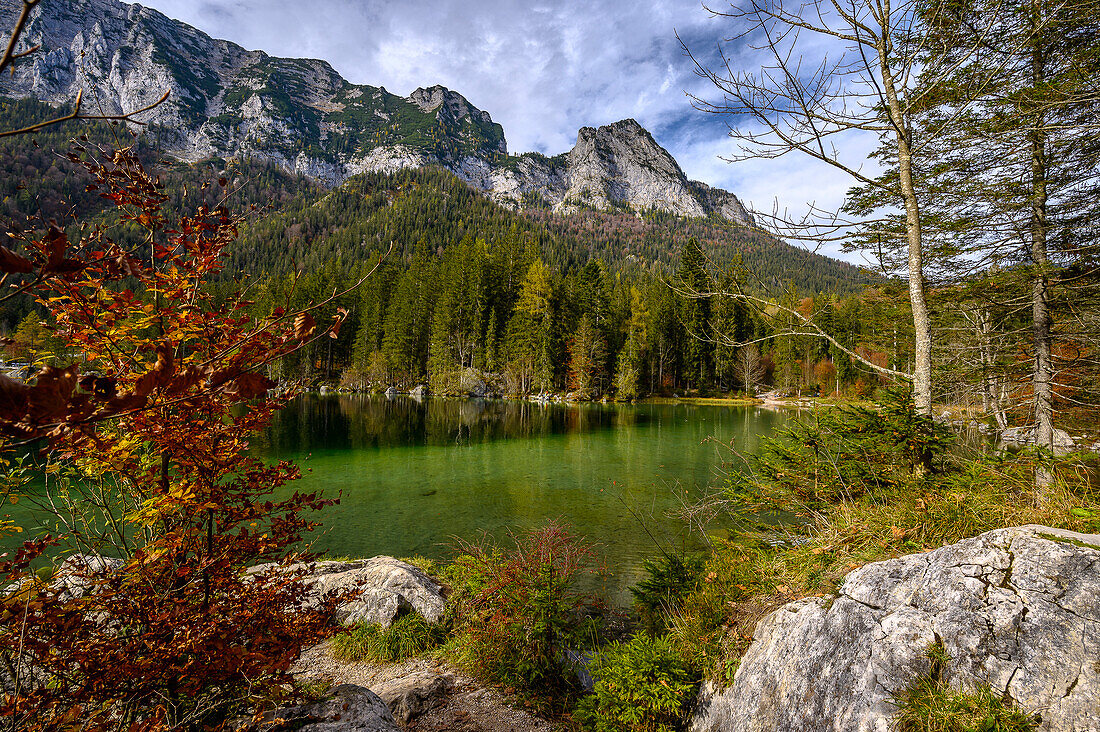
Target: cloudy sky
(541, 69)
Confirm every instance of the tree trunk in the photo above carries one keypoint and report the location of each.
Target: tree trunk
(1043, 368)
(922, 324)
(991, 401)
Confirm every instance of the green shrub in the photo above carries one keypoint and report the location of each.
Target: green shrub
(640, 686)
(410, 635)
(518, 610)
(930, 705)
(662, 592)
(845, 453)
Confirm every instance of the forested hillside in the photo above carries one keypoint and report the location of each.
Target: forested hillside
(371, 211)
(584, 301)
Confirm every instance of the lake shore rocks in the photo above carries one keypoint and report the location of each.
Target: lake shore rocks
(382, 589)
(1013, 608)
(346, 708)
(425, 694)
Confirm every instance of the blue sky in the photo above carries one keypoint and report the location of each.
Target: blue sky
(542, 70)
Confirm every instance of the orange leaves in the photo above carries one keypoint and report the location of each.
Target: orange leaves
(55, 243)
(154, 415)
(304, 326)
(49, 256)
(160, 375)
(14, 263)
(334, 331)
(251, 385)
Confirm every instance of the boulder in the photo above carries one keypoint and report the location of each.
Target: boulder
(384, 588)
(1026, 436)
(419, 392)
(391, 392)
(347, 708)
(1014, 608)
(410, 696)
(474, 383)
(79, 573)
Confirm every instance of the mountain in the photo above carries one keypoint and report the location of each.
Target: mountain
(228, 102)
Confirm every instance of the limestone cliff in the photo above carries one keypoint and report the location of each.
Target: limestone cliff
(227, 102)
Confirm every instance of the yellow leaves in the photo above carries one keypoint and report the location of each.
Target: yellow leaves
(182, 492)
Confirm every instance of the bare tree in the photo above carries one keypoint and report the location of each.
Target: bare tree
(748, 367)
(810, 101)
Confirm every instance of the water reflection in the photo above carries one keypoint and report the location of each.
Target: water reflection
(367, 421)
(412, 475)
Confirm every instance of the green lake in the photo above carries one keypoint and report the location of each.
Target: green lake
(411, 475)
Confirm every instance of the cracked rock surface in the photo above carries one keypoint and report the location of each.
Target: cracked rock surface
(1017, 608)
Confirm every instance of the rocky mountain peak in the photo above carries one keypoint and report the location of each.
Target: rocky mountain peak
(228, 102)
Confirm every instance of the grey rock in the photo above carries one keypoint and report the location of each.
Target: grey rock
(391, 392)
(410, 696)
(80, 572)
(1015, 608)
(348, 708)
(383, 588)
(473, 383)
(419, 392)
(1026, 436)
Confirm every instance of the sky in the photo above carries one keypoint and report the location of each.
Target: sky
(541, 69)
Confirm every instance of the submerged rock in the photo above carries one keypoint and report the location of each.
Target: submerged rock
(1014, 608)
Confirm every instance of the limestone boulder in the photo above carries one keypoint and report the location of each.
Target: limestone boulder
(1015, 608)
(347, 708)
(380, 589)
(410, 696)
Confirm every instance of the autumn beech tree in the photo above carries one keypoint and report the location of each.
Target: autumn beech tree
(142, 433)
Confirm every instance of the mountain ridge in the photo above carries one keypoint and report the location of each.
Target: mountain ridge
(228, 102)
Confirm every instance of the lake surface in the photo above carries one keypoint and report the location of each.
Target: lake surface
(411, 475)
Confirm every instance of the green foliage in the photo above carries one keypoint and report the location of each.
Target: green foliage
(669, 579)
(641, 686)
(518, 609)
(410, 635)
(845, 453)
(929, 704)
(807, 537)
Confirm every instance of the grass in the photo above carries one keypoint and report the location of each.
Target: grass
(409, 636)
(859, 495)
(929, 704)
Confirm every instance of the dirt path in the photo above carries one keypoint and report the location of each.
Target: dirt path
(433, 695)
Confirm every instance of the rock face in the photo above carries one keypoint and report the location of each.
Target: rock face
(228, 102)
(385, 589)
(1015, 608)
(347, 708)
(618, 165)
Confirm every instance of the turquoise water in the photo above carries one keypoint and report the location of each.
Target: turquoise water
(413, 475)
